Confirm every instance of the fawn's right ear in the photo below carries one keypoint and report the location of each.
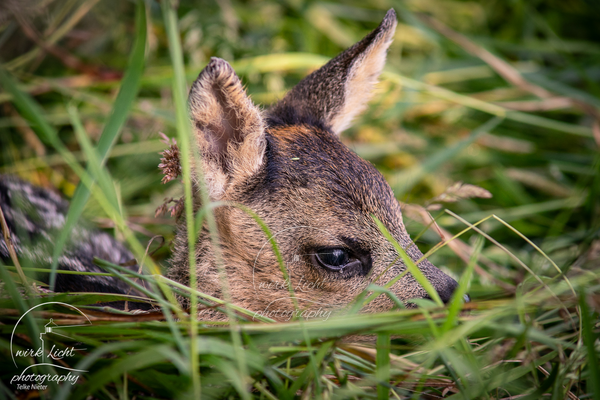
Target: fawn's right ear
(229, 128)
(338, 91)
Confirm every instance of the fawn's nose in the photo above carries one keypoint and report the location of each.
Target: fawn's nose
(448, 289)
(441, 282)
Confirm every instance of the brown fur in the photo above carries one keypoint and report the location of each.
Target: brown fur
(313, 192)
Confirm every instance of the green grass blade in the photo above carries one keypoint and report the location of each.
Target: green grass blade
(32, 112)
(304, 377)
(94, 164)
(120, 111)
(184, 135)
(20, 303)
(457, 297)
(383, 290)
(589, 339)
(410, 264)
(144, 358)
(383, 365)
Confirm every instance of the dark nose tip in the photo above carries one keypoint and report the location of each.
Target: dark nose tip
(447, 290)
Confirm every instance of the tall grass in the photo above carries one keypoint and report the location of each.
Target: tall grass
(521, 123)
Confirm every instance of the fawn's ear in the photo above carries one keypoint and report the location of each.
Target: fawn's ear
(339, 91)
(229, 128)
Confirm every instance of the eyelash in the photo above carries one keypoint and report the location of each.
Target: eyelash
(334, 259)
(352, 264)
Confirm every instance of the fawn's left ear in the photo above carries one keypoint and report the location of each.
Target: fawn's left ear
(229, 128)
(340, 90)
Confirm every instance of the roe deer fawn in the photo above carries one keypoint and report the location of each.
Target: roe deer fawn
(288, 165)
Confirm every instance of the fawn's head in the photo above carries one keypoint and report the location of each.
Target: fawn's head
(317, 197)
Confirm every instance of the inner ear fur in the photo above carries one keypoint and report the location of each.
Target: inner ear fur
(337, 92)
(229, 129)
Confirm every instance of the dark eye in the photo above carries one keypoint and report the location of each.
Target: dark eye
(333, 258)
